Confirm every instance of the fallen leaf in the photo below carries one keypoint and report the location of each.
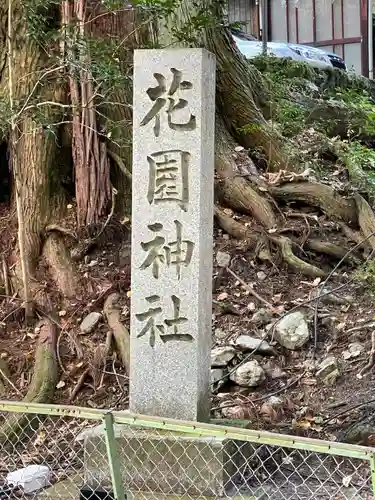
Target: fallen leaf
(346, 481)
(129, 293)
(273, 230)
(222, 296)
(60, 384)
(276, 298)
(62, 313)
(316, 281)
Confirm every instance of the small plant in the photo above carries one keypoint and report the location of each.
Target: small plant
(366, 275)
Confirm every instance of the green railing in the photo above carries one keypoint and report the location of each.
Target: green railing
(138, 456)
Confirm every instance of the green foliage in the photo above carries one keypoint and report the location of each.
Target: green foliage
(366, 275)
(360, 162)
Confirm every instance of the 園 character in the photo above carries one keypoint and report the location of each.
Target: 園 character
(177, 253)
(169, 177)
(159, 95)
(167, 329)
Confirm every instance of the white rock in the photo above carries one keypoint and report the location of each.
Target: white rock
(250, 374)
(221, 356)
(223, 259)
(220, 333)
(238, 149)
(329, 370)
(247, 343)
(292, 331)
(90, 322)
(261, 276)
(251, 306)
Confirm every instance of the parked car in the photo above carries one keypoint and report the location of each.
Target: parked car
(250, 47)
(335, 60)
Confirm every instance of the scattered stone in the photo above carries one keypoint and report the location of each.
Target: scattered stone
(247, 343)
(354, 350)
(292, 331)
(251, 306)
(220, 333)
(218, 376)
(90, 322)
(275, 402)
(262, 317)
(223, 259)
(274, 371)
(261, 276)
(250, 374)
(221, 356)
(329, 370)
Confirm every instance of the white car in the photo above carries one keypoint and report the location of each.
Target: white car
(253, 48)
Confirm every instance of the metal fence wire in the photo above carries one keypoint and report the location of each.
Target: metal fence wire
(56, 452)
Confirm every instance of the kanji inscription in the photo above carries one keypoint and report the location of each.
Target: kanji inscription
(176, 253)
(164, 98)
(165, 329)
(169, 177)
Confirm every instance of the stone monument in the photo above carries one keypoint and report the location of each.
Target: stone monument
(172, 227)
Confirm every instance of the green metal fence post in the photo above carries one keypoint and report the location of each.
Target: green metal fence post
(114, 465)
(372, 467)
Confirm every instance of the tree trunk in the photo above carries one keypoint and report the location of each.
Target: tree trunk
(242, 97)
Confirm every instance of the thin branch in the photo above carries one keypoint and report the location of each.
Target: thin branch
(16, 174)
(249, 289)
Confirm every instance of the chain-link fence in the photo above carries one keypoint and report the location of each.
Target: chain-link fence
(55, 452)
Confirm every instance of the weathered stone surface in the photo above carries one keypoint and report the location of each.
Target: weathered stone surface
(250, 374)
(223, 259)
(172, 228)
(292, 331)
(329, 370)
(90, 322)
(354, 350)
(221, 356)
(248, 343)
(164, 463)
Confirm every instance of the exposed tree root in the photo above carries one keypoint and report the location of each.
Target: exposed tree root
(294, 262)
(317, 195)
(233, 188)
(328, 248)
(355, 237)
(366, 218)
(120, 333)
(235, 229)
(60, 265)
(42, 385)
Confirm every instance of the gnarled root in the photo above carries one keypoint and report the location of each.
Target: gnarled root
(294, 262)
(366, 219)
(317, 195)
(233, 188)
(60, 265)
(328, 248)
(120, 333)
(235, 229)
(42, 385)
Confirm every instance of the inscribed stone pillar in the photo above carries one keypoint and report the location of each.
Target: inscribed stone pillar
(172, 227)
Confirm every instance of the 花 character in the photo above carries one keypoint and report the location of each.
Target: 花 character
(158, 327)
(177, 253)
(168, 177)
(159, 96)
